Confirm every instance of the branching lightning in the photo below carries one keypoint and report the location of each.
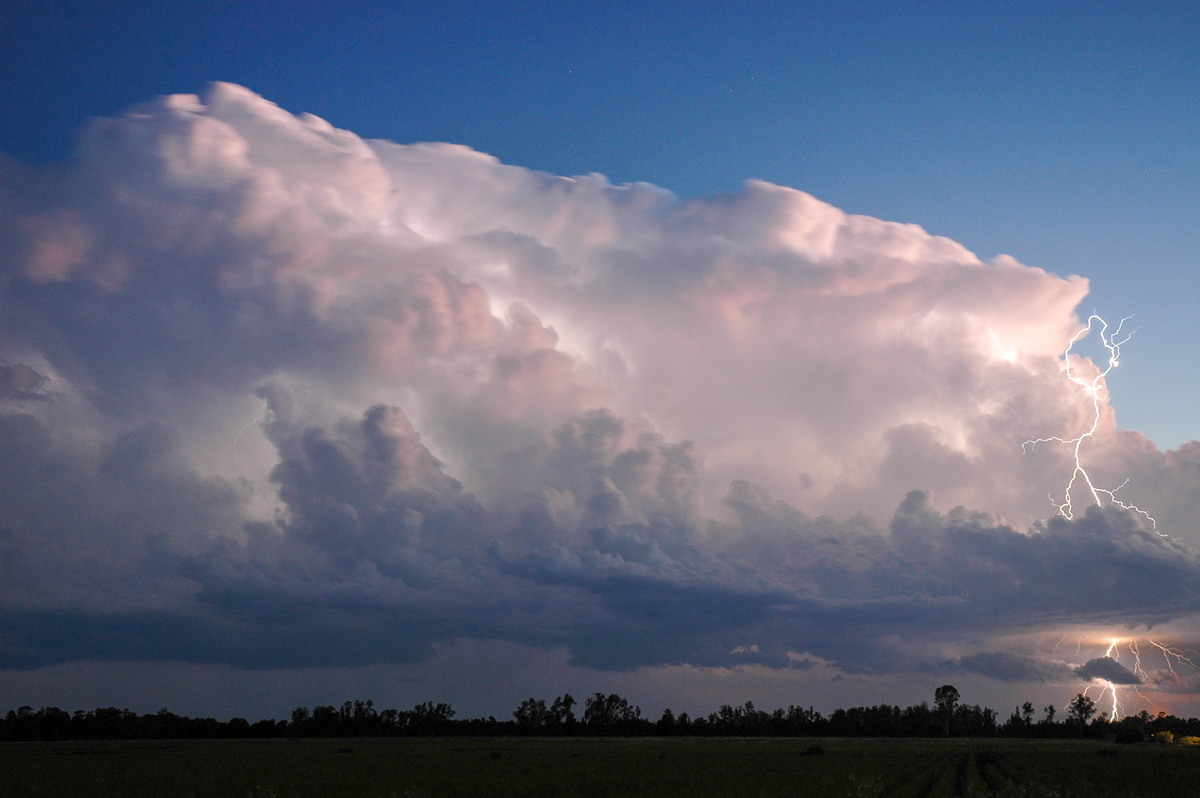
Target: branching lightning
(1173, 658)
(1097, 389)
(1181, 657)
(1111, 689)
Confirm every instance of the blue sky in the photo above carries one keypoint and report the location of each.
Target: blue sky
(1061, 133)
(270, 395)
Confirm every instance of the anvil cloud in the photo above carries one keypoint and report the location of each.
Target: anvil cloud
(274, 396)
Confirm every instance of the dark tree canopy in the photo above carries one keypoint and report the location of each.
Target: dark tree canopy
(946, 699)
(603, 714)
(1080, 710)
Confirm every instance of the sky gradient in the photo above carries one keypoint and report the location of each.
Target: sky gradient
(465, 353)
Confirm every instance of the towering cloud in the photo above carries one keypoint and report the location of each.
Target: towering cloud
(275, 396)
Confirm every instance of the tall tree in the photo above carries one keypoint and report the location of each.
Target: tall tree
(561, 712)
(532, 714)
(945, 698)
(1080, 709)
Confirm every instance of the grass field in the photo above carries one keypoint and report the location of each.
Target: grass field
(596, 767)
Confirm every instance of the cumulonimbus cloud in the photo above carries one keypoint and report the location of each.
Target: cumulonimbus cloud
(271, 394)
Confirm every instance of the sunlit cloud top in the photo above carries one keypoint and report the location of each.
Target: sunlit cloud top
(271, 394)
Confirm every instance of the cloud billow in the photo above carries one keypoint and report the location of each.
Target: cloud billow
(1109, 670)
(271, 394)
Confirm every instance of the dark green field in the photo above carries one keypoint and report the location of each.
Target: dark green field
(596, 767)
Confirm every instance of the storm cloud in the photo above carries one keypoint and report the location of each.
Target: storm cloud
(1107, 669)
(275, 396)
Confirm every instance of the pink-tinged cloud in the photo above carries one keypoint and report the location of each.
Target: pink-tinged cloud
(275, 396)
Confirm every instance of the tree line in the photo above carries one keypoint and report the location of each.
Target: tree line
(602, 714)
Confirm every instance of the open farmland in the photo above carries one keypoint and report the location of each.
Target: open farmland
(597, 767)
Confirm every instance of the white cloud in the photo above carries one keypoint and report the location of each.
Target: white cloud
(509, 405)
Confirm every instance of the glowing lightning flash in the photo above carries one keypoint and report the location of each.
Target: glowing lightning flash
(1109, 687)
(1180, 657)
(1173, 659)
(1097, 388)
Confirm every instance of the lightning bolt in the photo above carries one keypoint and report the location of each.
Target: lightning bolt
(1138, 670)
(1174, 660)
(1109, 687)
(1097, 389)
(259, 419)
(1112, 339)
(1178, 655)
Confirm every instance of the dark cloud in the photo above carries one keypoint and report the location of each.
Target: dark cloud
(1010, 667)
(1107, 669)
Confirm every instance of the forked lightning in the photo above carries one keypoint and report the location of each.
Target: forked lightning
(1097, 389)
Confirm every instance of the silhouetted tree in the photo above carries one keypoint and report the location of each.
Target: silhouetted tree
(800, 721)
(301, 725)
(429, 718)
(532, 714)
(917, 720)
(1131, 729)
(608, 713)
(325, 721)
(744, 719)
(562, 711)
(1080, 709)
(945, 698)
(974, 721)
(603, 714)
(1015, 725)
